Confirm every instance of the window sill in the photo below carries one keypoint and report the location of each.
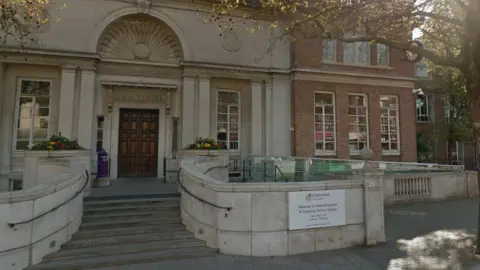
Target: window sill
(325, 153)
(357, 65)
(391, 153)
(425, 122)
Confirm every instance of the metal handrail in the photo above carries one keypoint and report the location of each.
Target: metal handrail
(199, 199)
(56, 207)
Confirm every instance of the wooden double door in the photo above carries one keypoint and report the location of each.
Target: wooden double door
(138, 143)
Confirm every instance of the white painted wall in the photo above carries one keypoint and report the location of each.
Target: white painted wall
(26, 244)
(82, 22)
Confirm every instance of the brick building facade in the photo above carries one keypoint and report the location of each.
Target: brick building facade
(432, 110)
(346, 97)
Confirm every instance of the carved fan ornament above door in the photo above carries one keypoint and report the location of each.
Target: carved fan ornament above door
(140, 37)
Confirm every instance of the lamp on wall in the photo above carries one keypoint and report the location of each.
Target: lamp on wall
(109, 108)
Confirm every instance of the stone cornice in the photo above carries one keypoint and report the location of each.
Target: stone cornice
(351, 78)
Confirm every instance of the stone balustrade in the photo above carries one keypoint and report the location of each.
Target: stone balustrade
(38, 220)
(255, 219)
(420, 186)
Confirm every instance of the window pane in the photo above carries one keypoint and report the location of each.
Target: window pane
(23, 134)
(43, 112)
(40, 122)
(222, 108)
(40, 133)
(329, 50)
(37, 88)
(382, 54)
(348, 53)
(228, 97)
(22, 145)
(222, 118)
(389, 123)
(363, 52)
(24, 123)
(323, 98)
(99, 135)
(42, 101)
(25, 107)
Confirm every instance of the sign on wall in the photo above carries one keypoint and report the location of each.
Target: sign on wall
(315, 209)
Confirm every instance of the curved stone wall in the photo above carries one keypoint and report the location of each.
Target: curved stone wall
(251, 219)
(27, 243)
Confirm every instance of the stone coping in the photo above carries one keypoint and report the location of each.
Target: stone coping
(63, 181)
(189, 165)
(56, 153)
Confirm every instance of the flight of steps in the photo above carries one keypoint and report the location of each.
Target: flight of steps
(125, 232)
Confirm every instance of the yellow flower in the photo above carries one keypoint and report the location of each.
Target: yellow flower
(50, 147)
(52, 143)
(207, 145)
(197, 146)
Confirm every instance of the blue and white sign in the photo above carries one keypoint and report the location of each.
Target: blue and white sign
(316, 209)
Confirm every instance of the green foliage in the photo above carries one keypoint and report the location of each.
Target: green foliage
(425, 148)
(56, 143)
(206, 144)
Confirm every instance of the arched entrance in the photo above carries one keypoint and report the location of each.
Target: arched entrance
(139, 77)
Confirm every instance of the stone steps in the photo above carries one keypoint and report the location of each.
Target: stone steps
(127, 259)
(120, 249)
(106, 232)
(127, 238)
(128, 231)
(134, 221)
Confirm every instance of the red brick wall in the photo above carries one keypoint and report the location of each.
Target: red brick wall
(308, 53)
(303, 118)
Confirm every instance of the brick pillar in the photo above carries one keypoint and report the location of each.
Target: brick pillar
(341, 111)
(374, 124)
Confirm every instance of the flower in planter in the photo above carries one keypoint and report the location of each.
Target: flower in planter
(56, 143)
(206, 144)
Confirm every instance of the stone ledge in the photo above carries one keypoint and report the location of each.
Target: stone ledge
(64, 181)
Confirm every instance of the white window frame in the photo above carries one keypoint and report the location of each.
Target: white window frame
(429, 103)
(333, 52)
(390, 152)
(459, 149)
(325, 152)
(18, 94)
(447, 109)
(367, 124)
(355, 50)
(102, 129)
(228, 123)
(379, 45)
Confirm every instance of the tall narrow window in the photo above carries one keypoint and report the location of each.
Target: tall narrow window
(32, 112)
(389, 124)
(100, 120)
(329, 50)
(458, 153)
(228, 119)
(424, 109)
(324, 113)
(450, 111)
(383, 55)
(356, 53)
(357, 123)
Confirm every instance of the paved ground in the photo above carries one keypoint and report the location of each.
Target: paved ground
(421, 236)
(135, 186)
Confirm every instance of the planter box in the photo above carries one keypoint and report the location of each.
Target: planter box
(42, 167)
(217, 154)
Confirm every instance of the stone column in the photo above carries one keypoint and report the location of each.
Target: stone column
(4, 147)
(204, 107)
(373, 208)
(268, 118)
(67, 98)
(281, 116)
(188, 111)
(86, 120)
(257, 118)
